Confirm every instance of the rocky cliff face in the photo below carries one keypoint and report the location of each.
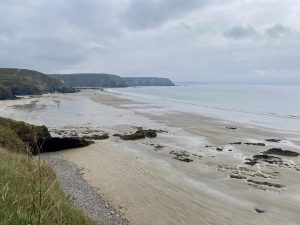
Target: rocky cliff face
(91, 80)
(28, 82)
(148, 81)
(109, 80)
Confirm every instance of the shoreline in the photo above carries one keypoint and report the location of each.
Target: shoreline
(218, 112)
(153, 187)
(152, 170)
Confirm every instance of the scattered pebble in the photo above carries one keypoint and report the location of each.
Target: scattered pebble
(82, 194)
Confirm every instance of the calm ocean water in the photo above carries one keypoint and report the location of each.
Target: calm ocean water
(271, 106)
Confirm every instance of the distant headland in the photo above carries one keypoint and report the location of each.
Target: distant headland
(15, 82)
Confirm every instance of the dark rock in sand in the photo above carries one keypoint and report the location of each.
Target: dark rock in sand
(279, 151)
(263, 158)
(237, 176)
(273, 140)
(255, 144)
(232, 128)
(158, 147)
(266, 183)
(185, 159)
(97, 137)
(259, 210)
(139, 134)
(54, 144)
(181, 156)
(268, 159)
(236, 143)
(150, 133)
(219, 149)
(251, 162)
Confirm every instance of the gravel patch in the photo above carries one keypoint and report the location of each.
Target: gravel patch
(81, 193)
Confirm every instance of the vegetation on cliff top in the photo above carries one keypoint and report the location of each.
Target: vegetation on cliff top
(28, 82)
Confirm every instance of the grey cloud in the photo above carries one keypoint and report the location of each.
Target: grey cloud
(41, 53)
(144, 14)
(186, 42)
(241, 32)
(278, 31)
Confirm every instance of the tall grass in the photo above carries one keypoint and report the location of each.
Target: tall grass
(30, 194)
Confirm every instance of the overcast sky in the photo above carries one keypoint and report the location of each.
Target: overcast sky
(185, 40)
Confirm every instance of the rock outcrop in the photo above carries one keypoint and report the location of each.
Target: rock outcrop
(54, 144)
(139, 134)
(22, 137)
(279, 151)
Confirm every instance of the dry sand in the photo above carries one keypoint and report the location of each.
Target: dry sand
(150, 187)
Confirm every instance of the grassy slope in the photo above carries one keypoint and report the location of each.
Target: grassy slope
(29, 194)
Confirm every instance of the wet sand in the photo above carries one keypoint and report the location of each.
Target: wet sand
(149, 186)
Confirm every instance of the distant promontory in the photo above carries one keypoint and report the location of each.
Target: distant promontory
(110, 80)
(14, 82)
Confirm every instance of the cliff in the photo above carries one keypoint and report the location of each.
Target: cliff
(28, 82)
(110, 80)
(148, 81)
(91, 80)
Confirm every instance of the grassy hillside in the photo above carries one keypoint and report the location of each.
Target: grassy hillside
(30, 194)
(28, 82)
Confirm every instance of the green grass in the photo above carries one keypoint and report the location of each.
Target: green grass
(30, 194)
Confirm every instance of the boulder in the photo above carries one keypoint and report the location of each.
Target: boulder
(232, 128)
(139, 134)
(54, 144)
(273, 140)
(97, 137)
(255, 144)
(279, 151)
(236, 143)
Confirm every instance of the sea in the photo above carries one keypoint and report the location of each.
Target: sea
(275, 107)
(270, 106)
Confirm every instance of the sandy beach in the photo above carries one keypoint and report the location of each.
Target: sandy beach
(150, 187)
(149, 184)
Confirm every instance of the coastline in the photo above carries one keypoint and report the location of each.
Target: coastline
(149, 186)
(167, 190)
